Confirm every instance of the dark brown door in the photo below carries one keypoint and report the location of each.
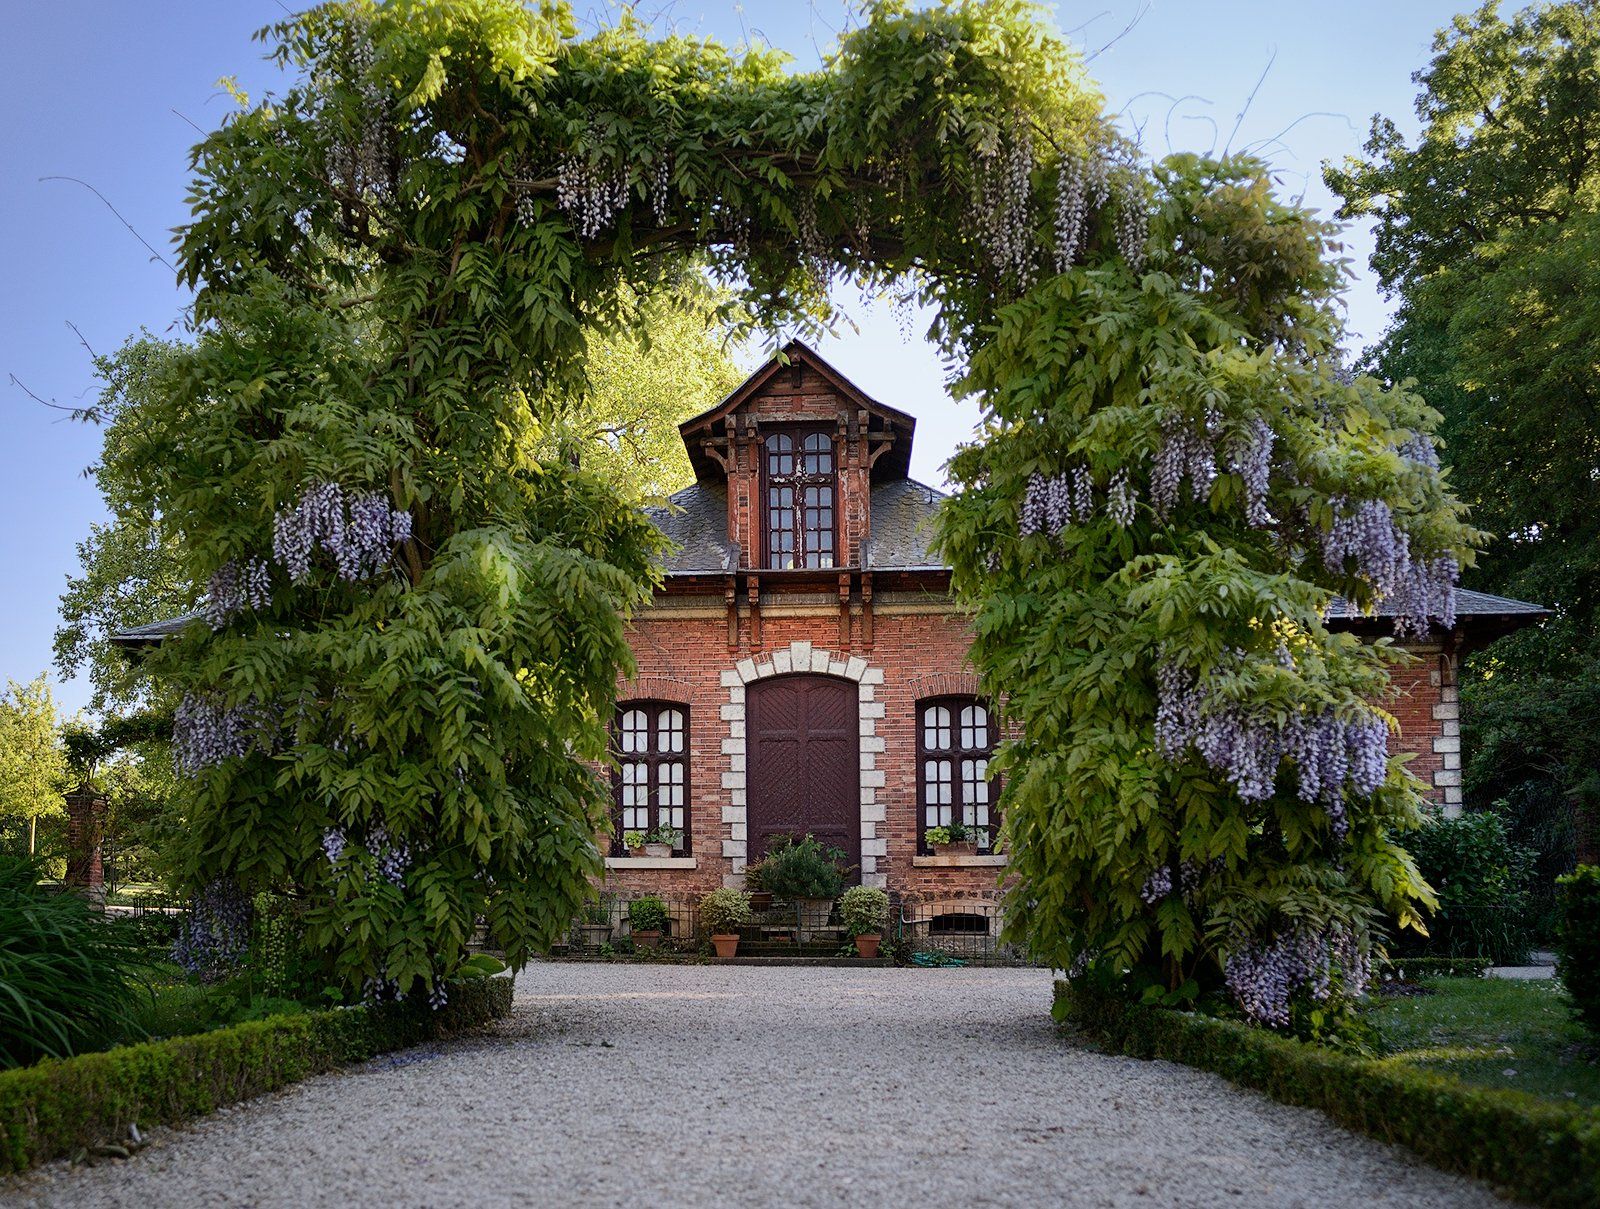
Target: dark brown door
(804, 762)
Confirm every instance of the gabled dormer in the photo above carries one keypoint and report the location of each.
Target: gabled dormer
(796, 451)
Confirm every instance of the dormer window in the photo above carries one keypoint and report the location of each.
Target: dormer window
(800, 487)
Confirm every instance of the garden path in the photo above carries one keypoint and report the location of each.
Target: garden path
(657, 1085)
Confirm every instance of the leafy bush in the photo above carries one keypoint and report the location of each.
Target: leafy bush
(1539, 1150)
(57, 1107)
(647, 914)
(1481, 879)
(632, 840)
(1434, 967)
(69, 979)
(724, 911)
(864, 910)
(799, 869)
(1578, 942)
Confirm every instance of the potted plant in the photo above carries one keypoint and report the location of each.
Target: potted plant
(954, 839)
(662, 841)
(806, 874)
(647, 920)
(864, 910)
(722, 913)
(633, 842)
(594, 929)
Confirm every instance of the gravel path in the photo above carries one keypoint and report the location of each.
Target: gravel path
(706, 1085)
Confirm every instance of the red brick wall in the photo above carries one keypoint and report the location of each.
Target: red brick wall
(921, 655)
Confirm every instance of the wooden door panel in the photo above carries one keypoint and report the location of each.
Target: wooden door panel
(803, 762)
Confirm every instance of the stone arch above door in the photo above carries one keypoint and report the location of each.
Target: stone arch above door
(802, 657)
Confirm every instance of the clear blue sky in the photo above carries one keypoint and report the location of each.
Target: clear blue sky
(94, 89)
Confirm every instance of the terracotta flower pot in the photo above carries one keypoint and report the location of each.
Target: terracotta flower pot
(636, 852)
(727, 944)
(867, 944)
(650, 938)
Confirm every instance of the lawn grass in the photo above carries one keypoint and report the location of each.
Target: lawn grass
(1493, 1032)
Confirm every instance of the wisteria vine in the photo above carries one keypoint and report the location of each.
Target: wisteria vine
(1332, 754)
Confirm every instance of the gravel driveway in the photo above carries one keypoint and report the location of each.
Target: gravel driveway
(711, 1085)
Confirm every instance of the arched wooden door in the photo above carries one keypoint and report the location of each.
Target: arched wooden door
(803, 740)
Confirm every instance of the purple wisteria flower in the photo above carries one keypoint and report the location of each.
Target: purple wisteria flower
(215, 934)
(360, 531)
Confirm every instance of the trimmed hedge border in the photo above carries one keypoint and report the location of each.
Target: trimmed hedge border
(60, 1106)
(1532, 1148)
(1434, 967)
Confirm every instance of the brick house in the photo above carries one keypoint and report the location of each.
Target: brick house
(802, 669)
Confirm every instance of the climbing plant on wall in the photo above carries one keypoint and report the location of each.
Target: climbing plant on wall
(415, 617)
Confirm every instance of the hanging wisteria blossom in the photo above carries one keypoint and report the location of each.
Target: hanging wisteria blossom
(1247, 746)
(205, 732)
(1004, 203)
(237, 585)
(1263, 975)
(589, 193)
(1184, 451)
(1365, 538)
(1156, 886)
(360, 531)
(1250, 457)
(215, 933)
(364, 163)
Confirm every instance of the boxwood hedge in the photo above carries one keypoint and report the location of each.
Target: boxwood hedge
(1532, 1148)
(60, 1106)
(1435, 967)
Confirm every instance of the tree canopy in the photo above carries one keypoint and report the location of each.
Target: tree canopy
(415, 614)
(33, 767)
(1488, 230)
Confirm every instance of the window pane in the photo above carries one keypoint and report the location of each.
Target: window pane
(936, 728)
(818, 452)
(634, 733)
(780, 455)
(669, 731)
(974, 728)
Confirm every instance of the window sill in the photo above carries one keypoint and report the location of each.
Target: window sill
(652, 862)
(962, 861)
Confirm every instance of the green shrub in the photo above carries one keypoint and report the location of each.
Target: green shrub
(60, 1106)
(724, 911)
(1537, 1149)
(1578, 942)
(647, 914)
(1482, 881)
(1434, 967)
(799, 869)
(864, 910)
(69, 978)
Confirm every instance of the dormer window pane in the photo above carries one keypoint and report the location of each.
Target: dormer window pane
(801, 513)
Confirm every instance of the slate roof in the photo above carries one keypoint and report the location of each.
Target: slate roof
(1468, 604)
(902, 527)
(902, 514)
(155, 632)
(697, 521)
